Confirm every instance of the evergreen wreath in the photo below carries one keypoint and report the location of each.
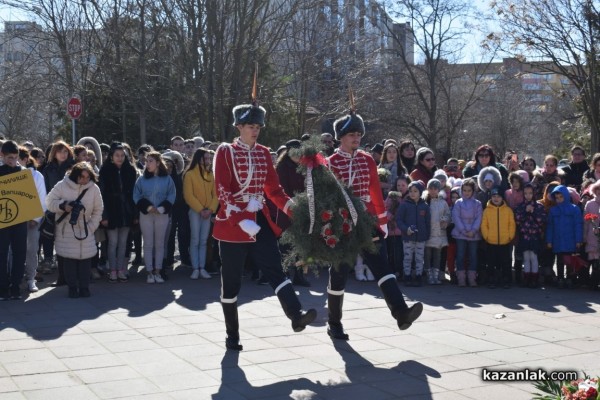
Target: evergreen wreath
(337, 233)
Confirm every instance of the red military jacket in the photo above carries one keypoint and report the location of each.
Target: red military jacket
(242, 174)
(359, 172)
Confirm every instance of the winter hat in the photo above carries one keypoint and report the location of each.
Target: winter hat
(280, 149)
(418, 184)
(249, 114)
(422, 152)
(377, 148)
(434, 183)
(495, 191)
(524, 175)
(440, 175)
(176, 158)
(455, 182)
(293, 144)
(489, 177)
(348, 123)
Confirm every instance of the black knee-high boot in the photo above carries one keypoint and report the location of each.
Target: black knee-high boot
(403, 314)
(232, 341)
(292, 308)
(335, 329)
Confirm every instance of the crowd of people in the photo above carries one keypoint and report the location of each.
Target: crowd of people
(439, 222)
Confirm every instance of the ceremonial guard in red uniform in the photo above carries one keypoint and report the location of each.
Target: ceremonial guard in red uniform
(244, 176)
(358, 171)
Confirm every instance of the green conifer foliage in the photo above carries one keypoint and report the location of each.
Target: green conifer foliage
(335, 239)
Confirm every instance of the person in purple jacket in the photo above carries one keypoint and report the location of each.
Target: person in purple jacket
(466, 215)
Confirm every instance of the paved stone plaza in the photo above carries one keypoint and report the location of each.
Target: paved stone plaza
(138, 341)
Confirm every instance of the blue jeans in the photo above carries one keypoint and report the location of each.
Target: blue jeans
(199, 228)
(462, 246)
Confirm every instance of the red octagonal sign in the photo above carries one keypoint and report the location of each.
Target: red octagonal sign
(74, 107)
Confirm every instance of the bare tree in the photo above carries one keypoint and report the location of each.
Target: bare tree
(564, 34)
(431, 100)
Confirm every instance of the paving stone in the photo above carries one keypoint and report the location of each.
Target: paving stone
(73, 392)
(7, 385)
(107, 374)
(124, 389)
(47, 380)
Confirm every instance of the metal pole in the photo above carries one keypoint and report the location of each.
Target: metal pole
(73, 126)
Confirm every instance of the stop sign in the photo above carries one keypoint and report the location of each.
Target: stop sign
(74, 107)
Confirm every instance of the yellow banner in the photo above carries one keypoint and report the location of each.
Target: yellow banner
(19, 200)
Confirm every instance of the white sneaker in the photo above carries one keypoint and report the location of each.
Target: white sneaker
(195, 274)
(369, 274)
(204, 274)
(150, 278)
(158, 278)
(32, 286)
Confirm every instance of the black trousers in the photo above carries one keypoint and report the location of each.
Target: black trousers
(499, 266)
(180, 226)
(77, 272)
(15, 238)
(264, 253)
(379, 266)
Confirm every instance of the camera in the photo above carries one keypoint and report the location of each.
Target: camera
(77, 207)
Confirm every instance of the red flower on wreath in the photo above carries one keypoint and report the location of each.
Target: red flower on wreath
(331, 241)
(590, 217)
(326, 230)
(344, 213)
(346, 228)
(326, 215)
(591, 393)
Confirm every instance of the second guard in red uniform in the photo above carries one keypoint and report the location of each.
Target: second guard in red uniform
(358, 171)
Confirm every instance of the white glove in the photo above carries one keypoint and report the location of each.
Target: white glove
(384, 229)
(160, 209)
(254, 205)
(249, 226)
(409, 231)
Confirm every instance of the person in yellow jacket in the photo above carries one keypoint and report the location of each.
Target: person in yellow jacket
(498, 230)
(199, 193)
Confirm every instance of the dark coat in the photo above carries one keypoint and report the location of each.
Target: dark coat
(116, 186)
(292, 182)
(574, 174)
(54, 173)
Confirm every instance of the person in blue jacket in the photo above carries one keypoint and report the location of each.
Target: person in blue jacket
(154, 194)
(564, 230)
(413, 219)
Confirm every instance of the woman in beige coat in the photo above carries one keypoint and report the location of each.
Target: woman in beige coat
(74, 237)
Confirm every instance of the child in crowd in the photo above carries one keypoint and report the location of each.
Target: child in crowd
(402, 185)
(439, 211)
(441, 176)
(498, 231)
(488, 178)
(413, 219)
(564, 231)
(546, 257)
(466, 215)
(591, 234)
(394, 239)
(514, 197)
(530, 217)
(451, 249)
